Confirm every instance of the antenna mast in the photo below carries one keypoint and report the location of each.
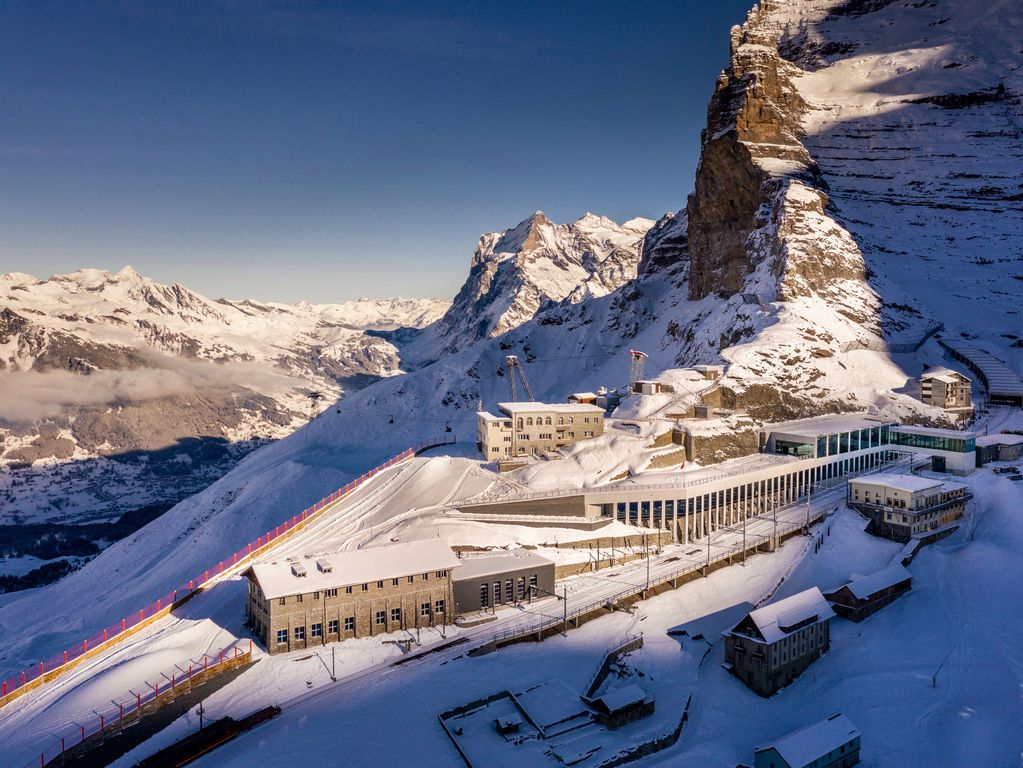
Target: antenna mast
(515, 369)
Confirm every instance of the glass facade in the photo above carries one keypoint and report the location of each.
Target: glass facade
(935, 442)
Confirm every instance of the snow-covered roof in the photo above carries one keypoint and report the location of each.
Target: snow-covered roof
(619, 698)
(773, 619)
(863, 587)
(802, 747)
(1002, 439)
(909, 483)
(826, 425)
(486, 416)
(279, 578)
(907, 429)
(513, 408)
(474, 567)
(1001, 379)
(583, 395)
(943, 374)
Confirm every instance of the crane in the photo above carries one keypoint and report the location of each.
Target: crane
(511, 363)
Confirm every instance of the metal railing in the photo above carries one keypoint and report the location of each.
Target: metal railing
(52, 667)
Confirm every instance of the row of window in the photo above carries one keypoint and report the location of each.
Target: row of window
(316, 630)
(364, 587)
(541, 421)
(512, 587)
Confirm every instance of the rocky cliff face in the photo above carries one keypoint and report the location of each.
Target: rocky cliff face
(537, 263)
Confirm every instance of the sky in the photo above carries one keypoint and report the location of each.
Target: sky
(324, 151)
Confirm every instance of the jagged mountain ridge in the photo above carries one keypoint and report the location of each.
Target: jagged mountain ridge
(517, 272)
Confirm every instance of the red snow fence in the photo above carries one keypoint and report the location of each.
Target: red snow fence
(48, 669)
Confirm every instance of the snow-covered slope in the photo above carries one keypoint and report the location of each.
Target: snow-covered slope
(517, 272)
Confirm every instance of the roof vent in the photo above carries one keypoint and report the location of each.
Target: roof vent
(298, 569)
(324, 565)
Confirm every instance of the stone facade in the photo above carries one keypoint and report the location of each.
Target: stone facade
(530, 429)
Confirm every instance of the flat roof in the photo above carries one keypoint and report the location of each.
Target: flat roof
(1000, 439)
(911, 483)
(487, 416)
(584, 395)
(863, 587)
(910, 429)
(514, 408)
(488, 565)
(806, 745)
(277, 578)
(826, 425)
(792, 610)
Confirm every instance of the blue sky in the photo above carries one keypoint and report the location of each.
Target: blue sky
(323, 151)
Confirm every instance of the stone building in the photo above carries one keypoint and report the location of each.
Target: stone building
(530, 429)
(301, 602)
(945, 388)
(772, 645)
(900, 506)
(487, 581)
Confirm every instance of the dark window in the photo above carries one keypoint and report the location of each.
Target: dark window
(298, 598)
(282, 601)
(411, 579)
(380, 585)
(424, 609)
(348, 590)
(282, 635)
(438, 606)
(316, 630)
(331, 593)
(332, 626)
(394, 582)
(349, 623)
(381, 617)
(316, 595)
(396, 614)
(300, 633)
(365, 587)
(484, 596)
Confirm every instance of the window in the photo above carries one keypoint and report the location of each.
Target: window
(394, 582)
(331, 593)
(522, 587)
(380, 585)
(365, 587)
(282, 601)
(411, 579)
(381, 617)
(317, 630)
(300, 633)
(298, 598)
(316, 595)
(509, 591)
(348, 590)
(332, 626)
(426, 577)
(438, 606)
(497, 592)
(396, 614)
(484, 596)
(282, 636)
(424, 609)
(442, 574)
(349, 623)
(532, 584)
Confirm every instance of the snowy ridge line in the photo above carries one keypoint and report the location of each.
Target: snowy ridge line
(132, 703)
(49, 669)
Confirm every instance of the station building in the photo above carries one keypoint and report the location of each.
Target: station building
(900, 506)
(531, 429)
(306, 601)
(484, 582)
(949, 450)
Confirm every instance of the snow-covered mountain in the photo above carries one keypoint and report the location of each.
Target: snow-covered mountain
(95, 364)
(516, 273)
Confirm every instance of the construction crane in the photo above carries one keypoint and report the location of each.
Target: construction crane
(514, 368)
(638, 365)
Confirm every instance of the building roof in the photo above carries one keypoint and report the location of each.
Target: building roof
(909, 429)
(486, 416)
(863, 587)
(944, 374)
(513, 408)
(774, 617)
(583, 395)
(617, 699)
(1001, 379)
(712, 624)
(488, 565)
(1002, 439)
(278, 578)
(826, 425)
(802, 747)
(909, 483)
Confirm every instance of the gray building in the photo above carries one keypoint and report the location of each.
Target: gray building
(771, 646)
(483, 582)
(868, 594)
(831, 743)
(1000, 447)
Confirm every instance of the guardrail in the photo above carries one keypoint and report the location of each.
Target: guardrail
(49, 669)
(126, 709)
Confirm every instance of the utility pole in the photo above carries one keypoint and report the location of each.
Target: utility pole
(564, 601)
(647, 549)
(333, 665)
(201, 712)
(809, 492)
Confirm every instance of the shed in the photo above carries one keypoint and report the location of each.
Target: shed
(865, 595)
(831, 743)
(620, 706)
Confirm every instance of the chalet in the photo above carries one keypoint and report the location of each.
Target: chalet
(831, 743)
(772, 645)
(868, 594)
(621, 706)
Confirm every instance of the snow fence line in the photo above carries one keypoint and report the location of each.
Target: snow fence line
(49, 669)
(132, 706)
